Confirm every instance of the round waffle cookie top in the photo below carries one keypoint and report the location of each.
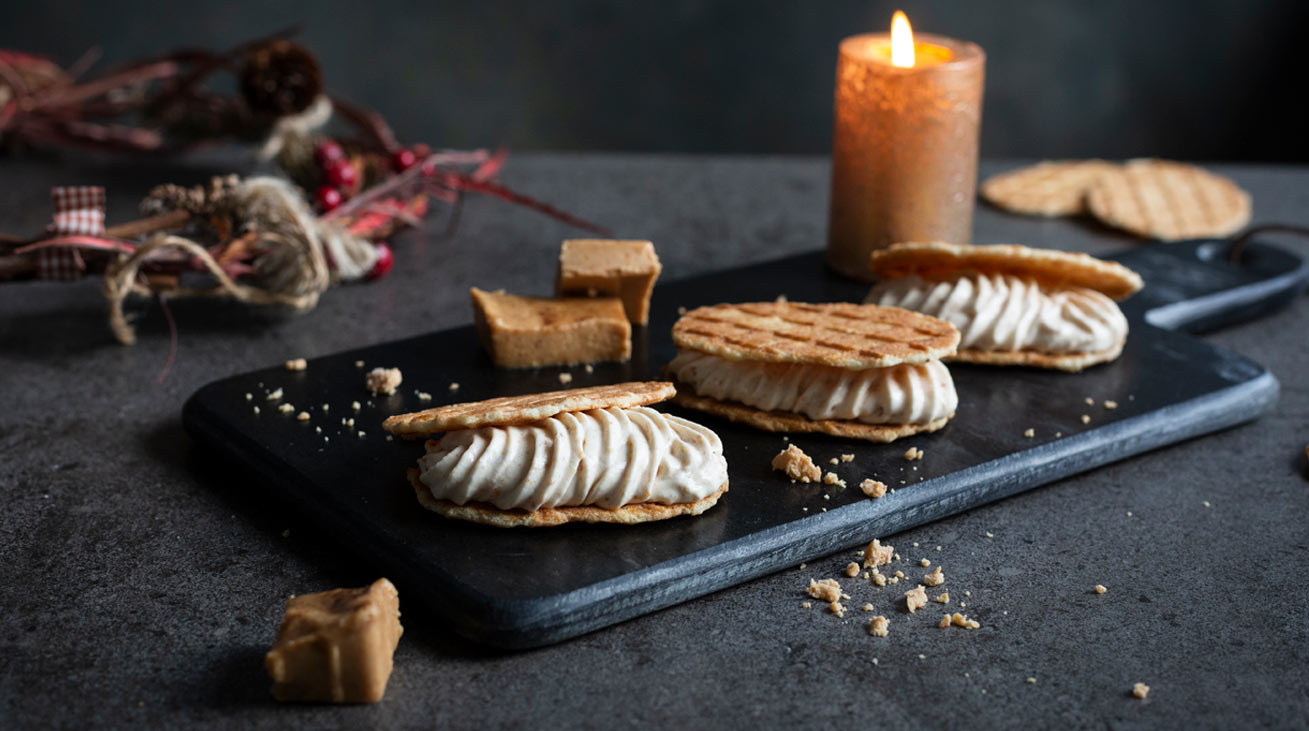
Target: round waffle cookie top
(529, 408)
(937, 259)
(838, 334)
(1052, 188)
(1167, 200)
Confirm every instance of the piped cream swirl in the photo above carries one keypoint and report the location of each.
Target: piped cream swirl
(901, 394)
(1005, 312)
(607, 458)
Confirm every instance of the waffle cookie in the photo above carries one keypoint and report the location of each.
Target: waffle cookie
(1013, 305)
(594, 455)
(1052, 188)
(857, 371)
(1169, 201)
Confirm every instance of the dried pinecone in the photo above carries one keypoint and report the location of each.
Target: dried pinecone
(201, 200)
(280, 77)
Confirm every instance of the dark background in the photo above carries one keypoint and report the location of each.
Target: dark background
(1191, 79)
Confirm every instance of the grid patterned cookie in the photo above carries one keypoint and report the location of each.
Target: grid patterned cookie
(935, 260)
(839, 334)
(487, 514)
(510, 410)
(1054, 188)
(1169, 201)
(1068, 362)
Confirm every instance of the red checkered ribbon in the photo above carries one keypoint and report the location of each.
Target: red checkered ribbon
(79, 210)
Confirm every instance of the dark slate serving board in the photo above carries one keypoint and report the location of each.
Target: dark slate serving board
(523, 588)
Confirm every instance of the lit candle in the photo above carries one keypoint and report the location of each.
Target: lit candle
(904, 149)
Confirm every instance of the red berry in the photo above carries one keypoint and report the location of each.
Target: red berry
(404, 158)
(342, 174)
(328, 198)
(328, 152)
(385, 260)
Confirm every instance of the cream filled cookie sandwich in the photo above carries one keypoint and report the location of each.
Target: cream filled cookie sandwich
(595, 455)
(1013, 305)
(849, 370)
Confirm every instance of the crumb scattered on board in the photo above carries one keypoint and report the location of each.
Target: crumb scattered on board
(915, 598)
(879, 626)
(1140, 690)
(936, 578)
(383, 380)
(296, 364)
(878, 555)
(852, 569)
(1099, 589)
(797, 465)
(872, 488)
(565, 378)
(828, 590)
(913, 453)
(274, 395)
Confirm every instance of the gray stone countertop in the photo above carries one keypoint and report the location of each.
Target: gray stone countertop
(141, 587)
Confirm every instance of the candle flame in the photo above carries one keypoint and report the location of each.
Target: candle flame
(902, 41)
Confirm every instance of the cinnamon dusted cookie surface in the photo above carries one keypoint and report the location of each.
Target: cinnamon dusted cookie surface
(526, 409)
(841, 334)
(1051, 267)
(1169, 201)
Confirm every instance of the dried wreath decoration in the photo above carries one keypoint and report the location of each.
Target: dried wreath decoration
(257, 240)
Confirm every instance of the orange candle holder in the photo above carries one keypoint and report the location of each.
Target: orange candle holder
(904, 148)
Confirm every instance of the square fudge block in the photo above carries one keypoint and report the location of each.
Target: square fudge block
(523, 332)
(336, 646)
(626, 269)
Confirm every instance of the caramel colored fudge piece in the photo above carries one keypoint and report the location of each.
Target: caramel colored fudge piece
(626, 269)
(522, 332)
(336, 646)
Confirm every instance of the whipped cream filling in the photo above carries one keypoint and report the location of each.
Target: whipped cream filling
(607, 458)
(901, 394)
(1005, 312)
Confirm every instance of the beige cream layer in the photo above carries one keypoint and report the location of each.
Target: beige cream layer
(902, 394)
(607, 458)
(1004, 312)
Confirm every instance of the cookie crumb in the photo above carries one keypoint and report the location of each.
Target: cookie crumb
(297, 364)
(852, 569)
(249, 397)
(936, 578)
(945, 622)
(361, 435)
(589, 368)
(879, 626)
(1140, 690)
(831, 479)
(302, 416)
(806, 605)
(878, 555)
(879, 579)
(453, 386)
(942, 598)
(286, 408)
(1029, 433)
(1206, 504)
(868, 607)
(847, 458)
(797, 465)
(837, 608)
(1031, 681)
(1086, 419)
(256, 410)
(383, 380)
(424, 396)
(925, 563)
(962, 620)
(359, 364)
(1111, 404)
(899, 574)
(275, 395)
(681, 310)
(1099, 589)
(913, 453)
(354, 405)
(893, 580)
(872, 488)
(989, 534)
(915, 598)
(834, 460)
(565, 378)
(1090, 401)
(827, 590)
(326, 408)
